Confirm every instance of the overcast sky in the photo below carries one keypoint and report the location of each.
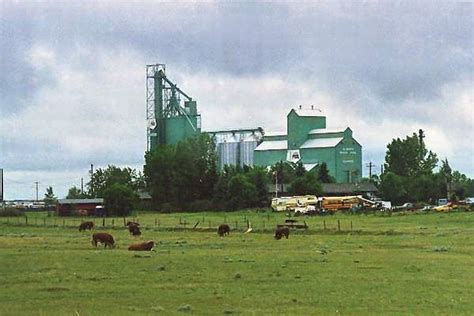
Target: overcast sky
(72, 76)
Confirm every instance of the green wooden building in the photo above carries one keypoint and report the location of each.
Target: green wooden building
(309, 141)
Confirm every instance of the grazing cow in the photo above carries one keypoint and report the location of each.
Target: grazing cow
(103, 238)
(86, 225)
(144, 246)
(282, 231)
(132, 223)
(134, 230)
(223, 230)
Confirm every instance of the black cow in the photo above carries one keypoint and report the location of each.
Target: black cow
(134, 230)
(223, 230)
(282, 231)
(86, 225)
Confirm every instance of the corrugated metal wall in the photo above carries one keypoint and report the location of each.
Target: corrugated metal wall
(246, 152)
(236, 153)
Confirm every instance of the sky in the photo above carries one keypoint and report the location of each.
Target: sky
(72, 76)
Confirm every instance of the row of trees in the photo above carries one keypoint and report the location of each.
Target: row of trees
(118, 187)
(410, 174)
(185, 176)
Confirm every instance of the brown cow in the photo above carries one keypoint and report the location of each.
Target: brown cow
(132, 223)
(103, 238)
(86, 225)
(282, 231)
(223, 230)
(144, 246)
(134, 230)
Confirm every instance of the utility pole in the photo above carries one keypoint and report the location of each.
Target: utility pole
(36, 184)
(1, 185)
(276, 183)
(92, 183)
(82, 185)
(381, 169)
(370, 165)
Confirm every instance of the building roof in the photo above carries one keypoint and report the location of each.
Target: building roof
(309, 166)
(322, 142)
(81, 201)
(327, 130)
(275, 133)
(347, 188)
(308, 112)
(273, 145)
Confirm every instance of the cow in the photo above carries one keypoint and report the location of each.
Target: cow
(144, 246)
(223, 230)
(86, 225)
(132, 223)
(103, 238)
(282, 231)
(134, 230)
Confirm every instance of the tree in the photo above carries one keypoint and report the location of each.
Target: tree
(49, 197)
(102, 179)
(182, 173)
(307, 184)
(196, 168)
(409, 157)
(75, 193)
(259, 178)
(241, 192)
(119, 199)
(392, 187)
(323, 174)
(283, 172)
(159, 173)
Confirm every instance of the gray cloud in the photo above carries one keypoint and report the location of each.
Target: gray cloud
(377, 61)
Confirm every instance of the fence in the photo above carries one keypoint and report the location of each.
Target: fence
(202, 223)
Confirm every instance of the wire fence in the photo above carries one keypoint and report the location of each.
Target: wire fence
(192, 223)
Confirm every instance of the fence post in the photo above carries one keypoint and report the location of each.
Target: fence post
(324, 224)
(124, 222)
(338, 225)
(113, 222)
(351, 225)
(103, 221)
(26, 220)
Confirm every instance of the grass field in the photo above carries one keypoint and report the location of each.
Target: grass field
(411, 264)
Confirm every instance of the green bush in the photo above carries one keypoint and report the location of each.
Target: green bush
(120, 200)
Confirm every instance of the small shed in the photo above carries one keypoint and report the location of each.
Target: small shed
(66, 207)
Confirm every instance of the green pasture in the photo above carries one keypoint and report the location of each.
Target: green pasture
(399, 264)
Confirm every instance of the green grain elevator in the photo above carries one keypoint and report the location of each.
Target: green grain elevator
(168, 121)
(309, 141)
